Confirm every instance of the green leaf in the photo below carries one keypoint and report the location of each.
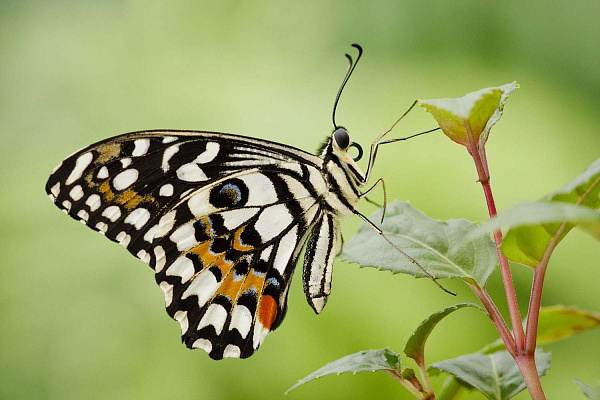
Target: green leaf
(438, 246)
(495, 375)
(363, 361)
(415, 346)
(556, 323)
(467, 120)
(408, 374)
(559, 322)
(528, 239)
(533, 223)
(593, 394)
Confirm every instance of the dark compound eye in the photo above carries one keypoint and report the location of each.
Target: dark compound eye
(341, 138)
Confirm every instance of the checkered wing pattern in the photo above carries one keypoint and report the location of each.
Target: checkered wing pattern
(220, 218)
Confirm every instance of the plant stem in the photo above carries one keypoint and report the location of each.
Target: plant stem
(526, 363)
(495, 316)
(524, 359)
(535, 301)
(509, 288)
(425, 377)
(407, 385)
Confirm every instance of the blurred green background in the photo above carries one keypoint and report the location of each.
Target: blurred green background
(81, 318)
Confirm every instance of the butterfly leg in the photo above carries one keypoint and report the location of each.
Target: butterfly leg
(364, 195)
(399, 250)
(377, 141)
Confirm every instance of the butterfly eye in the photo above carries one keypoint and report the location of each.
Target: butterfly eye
(341, 138)
(360, 151)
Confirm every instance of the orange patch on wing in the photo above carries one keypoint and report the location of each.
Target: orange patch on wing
(230, 287)
(107, 193)
(253, 281)
(237, 242)
(130, 198)
(107, 152)
(267, 311)
(207, 228)
(203, 250)
(223, 265)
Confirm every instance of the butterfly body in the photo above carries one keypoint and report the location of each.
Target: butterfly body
(221, 219)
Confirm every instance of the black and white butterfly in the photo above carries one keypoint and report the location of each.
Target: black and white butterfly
(221, 219)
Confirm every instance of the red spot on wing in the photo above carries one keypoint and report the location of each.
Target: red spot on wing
(267, 311)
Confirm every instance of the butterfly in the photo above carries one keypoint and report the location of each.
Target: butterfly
(221, 219)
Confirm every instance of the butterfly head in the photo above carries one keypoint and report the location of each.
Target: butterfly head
(338, 147)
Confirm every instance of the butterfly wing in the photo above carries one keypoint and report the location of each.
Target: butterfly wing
(221, 219)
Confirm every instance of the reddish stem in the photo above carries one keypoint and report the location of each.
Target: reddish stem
(495, 316)
(524, 359)
(526, 363)
(509, 288)
(478, 154)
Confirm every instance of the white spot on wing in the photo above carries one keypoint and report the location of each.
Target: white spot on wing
(266, 253)
(125, 179)
(102, 227)
(261, 190)
(272, 221)
(234, 218)
(241, 319)
(232, 351)
(184, 236)
(259, 334)
(203, 344)
(191, 172)
(166, 190)
(80, 165)
(165, 224)
(93, 202)
(285, 249)
(215, 316)
(102, 173)
(55, 190)
(67, 205)
(112, 213)
(141, 147)
(169, 152)
(199, 204)
(160, 256)
(212, 149)
(204, 286)
(149, 236)
(83, 215)
(167, 288)
(181, 317)
(125, 162)
(123, 238)
(169, 139)
(144, 256)
(182, 267)
(76, 193)
(138, 217)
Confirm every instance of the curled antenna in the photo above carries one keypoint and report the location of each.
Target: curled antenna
(351, 66)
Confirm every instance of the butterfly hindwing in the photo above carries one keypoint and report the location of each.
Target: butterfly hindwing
(225, 269)
(221, 219)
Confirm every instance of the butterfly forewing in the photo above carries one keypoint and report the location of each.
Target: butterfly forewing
(221, 219)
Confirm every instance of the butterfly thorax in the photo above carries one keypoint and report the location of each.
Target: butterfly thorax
(343, 179)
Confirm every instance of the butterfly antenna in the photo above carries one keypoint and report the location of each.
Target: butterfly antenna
(351, 66)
